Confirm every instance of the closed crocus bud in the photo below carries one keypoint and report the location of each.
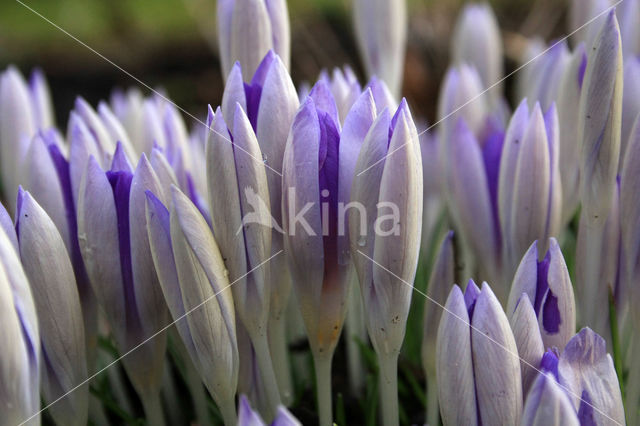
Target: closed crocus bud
(384, 232)
(310, 177)
(548, 404)
(587, 374)
(48, 268)
(477, 42)
(195, 285)
(630, 101)
(484, 385)
(529, 187)
(471, 183)
(548, 287)
(599, 123)
(582, 12)
(381, 94)
(17, 126)
(19, 360)
(248, 417)
(526, 332)
(440, 284)
(115, 249)
(345, 89)
(568, 97)
(242, 226)
(460, 97)
(381, 31)
(247, 29)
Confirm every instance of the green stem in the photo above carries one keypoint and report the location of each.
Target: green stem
(323, 388)
(389, 388)
(228, 411)
(263, 356)
(153, 409)
(356, 329)
(433, 410)
(280, 358)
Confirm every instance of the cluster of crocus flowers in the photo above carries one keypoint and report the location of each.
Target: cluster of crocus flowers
(315, 206)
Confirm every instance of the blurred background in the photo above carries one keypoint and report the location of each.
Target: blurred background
(171, 44)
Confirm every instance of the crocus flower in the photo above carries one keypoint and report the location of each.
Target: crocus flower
(542, 82)
(524, 324)
(548, 404)
(483, 386)
(477, 42)
(47, 178)
(115, 249)
(548, 286)
(440, 283)
(195, 284)
(50, 273)
(599, 123)
(344, 87)
(248, 29)
(381, 32)
(582, 12)
(20, 356)
(313, 182)
(471, 185)
(242, 226)
(270, 103)
(567, 98)
(529, 187)
(385, 247)
(586, 372)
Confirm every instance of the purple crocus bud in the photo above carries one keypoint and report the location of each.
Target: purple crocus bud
(548, 404)
(484, 385)
(587, 374)
(526, 332)
(543, 82)
(384, 235)
(529, 187)
(195, 285)
(19, 360)
(599, 124)
(41, 100)
(247, 29)
(471, 182)
(460, 97)
(477, 42)
(567, 99)
(440, 283)
(51, 277)
(381, 94)
(344, 87)
(548, 286)
(115, 249)
(17, 127)
(630, 101)
(381, 31)
(586, 11)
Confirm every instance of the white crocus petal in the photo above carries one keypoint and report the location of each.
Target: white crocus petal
(628, 13)
(17, 126)
(531, 186)
(630, 101)
(250, 34)
(234, 93)
(116, 130)
(525, 279)
(456, 385)
(495, 361)
(526, 333)
(153, 134)
(82, 146)
(548, 404)
(207, 299)
(166, 175)
(52, 280)
(6, 223)
(600, 121)
(94, 123)
(280, 29)
(41, 100)
(462, 86)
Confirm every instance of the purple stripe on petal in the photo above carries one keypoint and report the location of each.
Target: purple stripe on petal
(542, 285)
(491, 154)
(551, 317)
(585, 411)
(471, 293)
(263, 69)
(253, 92)
(121, 185)
(582, 69)
(19, 199)
(549, 362)
(328, 183)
